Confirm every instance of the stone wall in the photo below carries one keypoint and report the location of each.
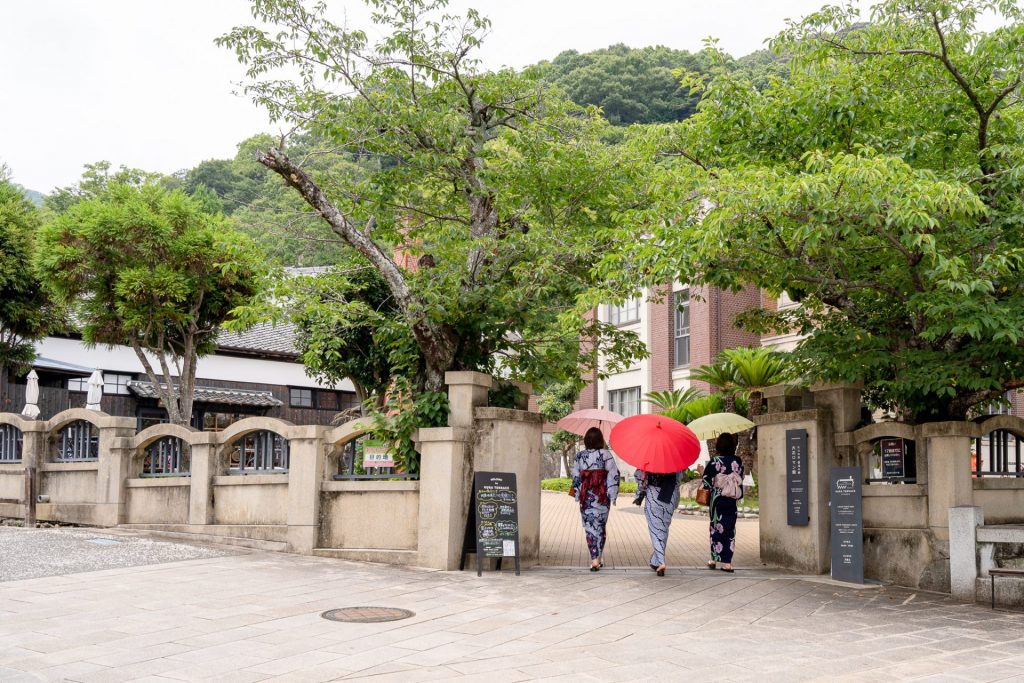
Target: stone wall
(301, 509)
(906, 526)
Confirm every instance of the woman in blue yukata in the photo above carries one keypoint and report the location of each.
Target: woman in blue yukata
(595, 481)
(723, 475)
(661, 492)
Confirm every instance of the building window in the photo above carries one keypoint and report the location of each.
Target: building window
(218, 422)
(629, 312)
(112, 384)
(625, 402)
(301, 398)
(682, 328)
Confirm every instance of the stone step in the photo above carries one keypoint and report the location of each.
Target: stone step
(215, 539)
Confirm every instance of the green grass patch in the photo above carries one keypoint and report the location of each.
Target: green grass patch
(563, 484)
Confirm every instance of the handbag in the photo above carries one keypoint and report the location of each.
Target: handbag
(703, 496)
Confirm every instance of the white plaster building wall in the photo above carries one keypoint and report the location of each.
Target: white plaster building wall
(783, 342)
(227, 368)
(635, 376)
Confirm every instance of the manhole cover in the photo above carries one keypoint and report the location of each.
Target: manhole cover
(367, 615)
(103, 541)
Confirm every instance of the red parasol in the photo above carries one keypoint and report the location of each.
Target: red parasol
(582, 420)
(655, 443)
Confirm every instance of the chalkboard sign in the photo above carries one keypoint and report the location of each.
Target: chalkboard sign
(847, 524)
(494, 516)
(797, 513)
(893, 458)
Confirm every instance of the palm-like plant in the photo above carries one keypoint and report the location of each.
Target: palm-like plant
(722, 375)
(755, 369)
(670, 400)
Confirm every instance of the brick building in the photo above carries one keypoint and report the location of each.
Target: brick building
(683, 328)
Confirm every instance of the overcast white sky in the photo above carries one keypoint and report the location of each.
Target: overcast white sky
(140, 83)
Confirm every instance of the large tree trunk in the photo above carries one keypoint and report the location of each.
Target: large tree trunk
(745, 448)
(438, 343)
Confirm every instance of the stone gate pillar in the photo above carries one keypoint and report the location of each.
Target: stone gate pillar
(801, 548)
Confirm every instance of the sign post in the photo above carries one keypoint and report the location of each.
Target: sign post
(494, 515)
(797, 513)
(847, 524)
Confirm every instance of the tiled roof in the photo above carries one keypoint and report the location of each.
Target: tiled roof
(263, 338)
(235, 397)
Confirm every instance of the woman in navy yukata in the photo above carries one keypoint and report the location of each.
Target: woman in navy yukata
(595, 481)
(661, 492)
(723, 475)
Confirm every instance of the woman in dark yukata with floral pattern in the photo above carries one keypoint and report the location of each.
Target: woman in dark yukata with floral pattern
(595, 482)
(723, 475)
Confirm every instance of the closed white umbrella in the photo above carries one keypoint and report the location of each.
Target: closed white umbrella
(92, 399)
(31, 409)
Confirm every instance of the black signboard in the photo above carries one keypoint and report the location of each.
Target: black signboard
(494, 516)
(796, 478)
(847, 525)
(893, 458)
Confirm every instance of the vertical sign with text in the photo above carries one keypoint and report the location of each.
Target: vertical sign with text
(796, 478)
(893, 458)
(847, 524)
(496, 508)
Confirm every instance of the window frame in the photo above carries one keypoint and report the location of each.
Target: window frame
(680, 332)
(615, 406)
(312, 398)
(618, 315)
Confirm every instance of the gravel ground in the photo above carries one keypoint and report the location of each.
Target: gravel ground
(31, 553)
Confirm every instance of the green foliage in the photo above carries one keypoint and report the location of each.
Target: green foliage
(493, 186)
(97, 178)
(403, 413)
(557, 400)
(756, 368)
(670, 400)
(148, 268)
(563, 484)
(504, 395)
(26, 311)
(880, 184)
(347, 327)
(694, 408)
(629, 85)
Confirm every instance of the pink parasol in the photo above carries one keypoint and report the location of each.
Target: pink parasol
(582, 420)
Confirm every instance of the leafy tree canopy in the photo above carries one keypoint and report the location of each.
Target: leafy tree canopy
(479, 194)
(881, 184)
(148, 268)
(630, 85)
(26, 312)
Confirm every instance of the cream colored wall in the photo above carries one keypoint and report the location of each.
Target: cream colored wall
(1002, 499)
(379, 515)
(73, 482)
(253, 499)
(903, 506)
(12, 482)
(158, 501)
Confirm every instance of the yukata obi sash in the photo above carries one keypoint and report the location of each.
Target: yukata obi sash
(595, 481)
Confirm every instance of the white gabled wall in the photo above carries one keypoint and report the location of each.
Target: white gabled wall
(227, 368)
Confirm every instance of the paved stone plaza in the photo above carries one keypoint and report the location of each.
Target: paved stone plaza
(562, 543)
(256, 616)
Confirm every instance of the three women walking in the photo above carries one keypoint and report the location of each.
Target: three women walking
(595, 481)
(723, 475)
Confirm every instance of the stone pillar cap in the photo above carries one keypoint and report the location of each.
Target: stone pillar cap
(829, 386)
(479, 379)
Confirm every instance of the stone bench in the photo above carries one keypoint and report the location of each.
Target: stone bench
(972, 546)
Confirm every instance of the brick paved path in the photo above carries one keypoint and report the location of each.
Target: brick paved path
(257, 617)
(562, 543)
